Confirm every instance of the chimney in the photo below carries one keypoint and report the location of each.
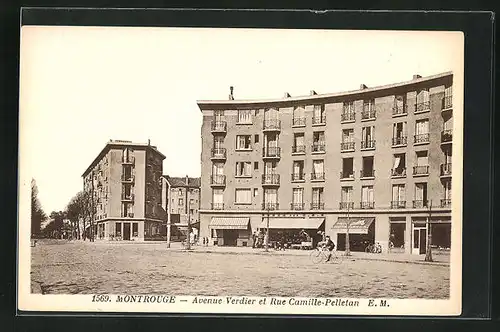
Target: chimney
(416, 76)
(149, 142)
(312, 93)
(231, 97)
(187, 180)
(362, 87)
(287, 95)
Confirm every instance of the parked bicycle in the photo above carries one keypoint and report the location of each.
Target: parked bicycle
(320, 254)
(375, 248)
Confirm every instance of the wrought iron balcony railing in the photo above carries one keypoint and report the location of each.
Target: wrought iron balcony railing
(367, 173)
(298, 176)
(127, 178)
(346, 205)
(271, 125)
(401, 171)
(317, 206)
(347, 174)
(318, 147)
(296, 206)
(271, 152)
(446, 136)
(127, 197)
(299, 121)
(398, 204)
(368, 144)
(347, 146)
(423, 106)
(445, 169)
(447, 102)
(218, 153)
(128, 160)
(270, 179)
(421, 138)
(217, 206)
(399, 109)
(218, 180)
(367, 205)
(298, 149)
(270, 206)
(419, 204)
(368, 114)
(219, 126)
(348, 116)
(318, 176)
(319, 120)
(446, 203)
(401, 140)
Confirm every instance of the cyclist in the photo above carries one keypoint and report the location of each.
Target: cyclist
(329, 245)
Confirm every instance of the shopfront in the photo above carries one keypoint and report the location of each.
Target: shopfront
(293, 232)
(361, 233)
(230, 231)
(440, 235)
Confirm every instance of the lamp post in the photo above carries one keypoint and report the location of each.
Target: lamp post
(348, 223)
(188, 244)
(428, 249)
(266, 242)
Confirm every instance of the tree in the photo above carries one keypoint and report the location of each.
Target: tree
(82, 209)
(37, 214)
(54, 228)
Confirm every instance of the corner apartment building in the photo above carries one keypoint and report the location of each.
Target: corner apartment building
(181, 199)
(376, 160)
(125, 182)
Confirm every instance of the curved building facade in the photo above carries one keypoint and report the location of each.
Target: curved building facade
(374, 162)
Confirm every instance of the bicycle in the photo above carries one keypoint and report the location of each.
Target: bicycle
(374, 248)
(320, 254)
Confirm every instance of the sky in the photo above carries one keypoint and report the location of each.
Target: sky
(82, 86)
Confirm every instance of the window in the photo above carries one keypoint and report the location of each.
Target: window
(244, 168)
(368, 109)
(255, 165)
(399, 133)
(217, 199)
(298, 143)
(245, 116)
(398, 193)
(270, 167)
(399, 105)
(347, 135)
(368, 137)
(218, 115)
(118, 229)
(319, 114)
(181, 201)
(318, 170)
(243, 196)
(243, 142)
(447, 189)
(256, 138)
(367, 197)
(348, 107)
(135, 229)
(422, 131)
(298, 199)
(347, 168)
(368, 170)
(270, 196)
(317, 199)
(298, 170)
(299, 118)
(346, 194)
(217, 169)
(318, 141)
(420, 195)
(255, 192)
(218, 141)
(180, 192)
(191, 201)
(422, 158)
(423, 101)
(399, 167)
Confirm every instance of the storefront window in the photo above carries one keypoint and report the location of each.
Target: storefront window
(135, 229)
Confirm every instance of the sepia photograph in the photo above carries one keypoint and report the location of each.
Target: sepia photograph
(240, 170)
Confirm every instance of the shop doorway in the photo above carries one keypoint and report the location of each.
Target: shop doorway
(397, 235)
(357, 242)
(230, 237)
(126, 231)
(419, 240)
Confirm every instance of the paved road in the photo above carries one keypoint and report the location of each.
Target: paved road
(88, 268)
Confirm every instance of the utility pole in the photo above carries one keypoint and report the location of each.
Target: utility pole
(169, 220)
(428, 249)
(348, 223)
(92, 208)
(188, 246)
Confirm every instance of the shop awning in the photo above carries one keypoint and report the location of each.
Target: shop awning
(356, 225)
(229, 223)
(292, 223)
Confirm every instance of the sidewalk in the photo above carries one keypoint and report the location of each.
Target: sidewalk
(438, 259)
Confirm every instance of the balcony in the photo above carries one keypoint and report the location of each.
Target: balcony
(127, 214)
(420, 204)
(319, 120)
(219, 127)
(367, 205)
(446, 136)
(218, 154)
(445, 170)
(270, 179)
(367, 174)
(271, 153)
(346, 175)
(218, 180)
(423, 107)
(127, 197)
(128, 160)
(421, 170)
(299, 149)
(347, 146)
(270, 206)
(297, 206)
(368, 114)
(348, 117)
(298, 177)
(317, 176)
(398, 172)
(368, 145)
(399, 141)
(399, 110)
(299, 122)
(317, 206)
(447, 103)
(346, 205)
(129, 178)
(272, 125)
(446, 203)
(398, 204)
(217, 206)
(421, 138)
(318, 147)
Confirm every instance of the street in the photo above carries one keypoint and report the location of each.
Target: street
(77, 267)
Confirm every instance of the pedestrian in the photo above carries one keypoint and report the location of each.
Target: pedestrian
(254, 238)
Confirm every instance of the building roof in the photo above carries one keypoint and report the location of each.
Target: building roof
(181, 181)
(321, 98)
(121, 144)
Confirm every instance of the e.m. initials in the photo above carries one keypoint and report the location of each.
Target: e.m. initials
(383, 303)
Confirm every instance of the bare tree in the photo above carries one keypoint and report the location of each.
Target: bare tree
(82, 209)
(37, 214)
